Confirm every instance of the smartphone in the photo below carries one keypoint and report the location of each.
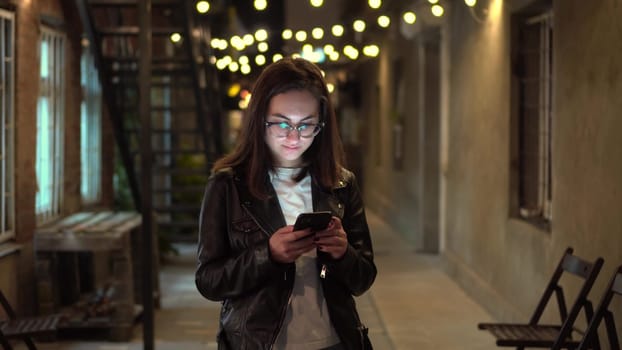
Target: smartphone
(316, 221)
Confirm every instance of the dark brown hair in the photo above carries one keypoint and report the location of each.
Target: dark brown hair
(324, 158)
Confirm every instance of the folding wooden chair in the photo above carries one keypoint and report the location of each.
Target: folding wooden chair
(603, 311)
(537, 335)
(24, 328)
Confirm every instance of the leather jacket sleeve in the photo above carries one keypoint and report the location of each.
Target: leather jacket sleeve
(224, 272)
(356, 269)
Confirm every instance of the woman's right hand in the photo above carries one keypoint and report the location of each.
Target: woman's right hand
(286, 245)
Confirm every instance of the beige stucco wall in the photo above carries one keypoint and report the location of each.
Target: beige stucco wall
(503, 262)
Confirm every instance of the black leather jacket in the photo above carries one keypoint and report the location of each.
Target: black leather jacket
(234, 264)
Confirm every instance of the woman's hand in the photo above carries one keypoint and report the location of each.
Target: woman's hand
(333, 240)
(286, 245)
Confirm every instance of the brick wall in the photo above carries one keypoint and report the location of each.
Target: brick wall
(29, 14)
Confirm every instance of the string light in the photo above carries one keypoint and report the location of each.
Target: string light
(409, 17)
(261, 35)
(351, 52)
(175, 37)
(260, 5)
(317, 3)
(248, 39)
(260, 60)
(375, 4)
(470, 3)
(262, 47)
(384, 21)
(317, 33)
(437, 10)
(337, 30)
(287, 34)
(202, 6)
(301, 35)
(371, 50)
(359, 25)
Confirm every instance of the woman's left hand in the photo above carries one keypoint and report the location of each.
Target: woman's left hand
(333, 240)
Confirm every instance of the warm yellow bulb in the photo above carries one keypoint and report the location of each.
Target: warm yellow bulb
(262, 47)
(317, 33)
(301, 35)
(175, 37)
(470, 3)
(261, 35)
(317, 3)
(330, 87)
(245, 69)
(433, 2)
(337, 30)
(384, 21)
(328, 48)
(260, 5)
(243, 60)
(438, 10)
(371, 50)
(375, 4)
(287, 34)
(359, 25)
(276, 57)
(410, 17)
(260, 60)
(248, 39)
(351, 52)
(202, 6)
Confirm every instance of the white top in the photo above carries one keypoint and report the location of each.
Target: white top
(307, 324)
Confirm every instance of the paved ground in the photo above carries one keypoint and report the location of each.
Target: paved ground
(412, 305)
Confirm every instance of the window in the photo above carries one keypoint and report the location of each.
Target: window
(50, 110)
(90, 130)
(7, 31)
(533, 114)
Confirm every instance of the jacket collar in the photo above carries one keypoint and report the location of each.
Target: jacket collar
(268, 213)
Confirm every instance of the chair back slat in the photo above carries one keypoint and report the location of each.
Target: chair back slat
(617, 283)
(603, 312)
(577, 266)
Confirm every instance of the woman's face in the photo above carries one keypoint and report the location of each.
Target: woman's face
(298, 109)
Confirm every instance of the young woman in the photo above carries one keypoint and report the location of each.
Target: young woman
(280, 288)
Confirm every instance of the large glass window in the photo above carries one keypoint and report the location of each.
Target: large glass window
(90, 130)
(50, 112)
(7, 128)
(533, 111)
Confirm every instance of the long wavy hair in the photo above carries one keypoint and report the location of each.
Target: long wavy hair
(323, 159)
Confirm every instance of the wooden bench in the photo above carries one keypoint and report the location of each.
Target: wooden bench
(112, 307)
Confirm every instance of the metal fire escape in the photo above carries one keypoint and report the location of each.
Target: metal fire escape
(185, 109)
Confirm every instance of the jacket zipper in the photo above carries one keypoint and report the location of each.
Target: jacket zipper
(282, 318)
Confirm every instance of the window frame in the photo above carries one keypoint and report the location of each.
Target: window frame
(7, 123)
(52, 86)
(531, 144)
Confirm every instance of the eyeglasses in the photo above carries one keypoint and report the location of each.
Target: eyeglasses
(305, 130)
